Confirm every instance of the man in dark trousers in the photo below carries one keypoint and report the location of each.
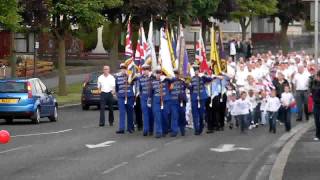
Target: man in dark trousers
(106, 86)
(314, 88)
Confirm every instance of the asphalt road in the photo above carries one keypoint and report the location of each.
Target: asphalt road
(58, 151)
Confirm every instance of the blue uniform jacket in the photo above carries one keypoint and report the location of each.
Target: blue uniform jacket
(197, 87)
(122, 86)
(178, 91)
(156, 90)
(145, 86)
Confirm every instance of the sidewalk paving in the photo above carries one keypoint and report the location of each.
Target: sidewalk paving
(304, 159)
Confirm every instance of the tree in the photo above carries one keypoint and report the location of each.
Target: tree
(65, 16)
(140, 11)
(203, 9)
(10, 20)
(289, 11)
(246, 9)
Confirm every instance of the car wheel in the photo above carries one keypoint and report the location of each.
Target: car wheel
(54, 116)
(85, 107)
(36, 117)
(9, 120)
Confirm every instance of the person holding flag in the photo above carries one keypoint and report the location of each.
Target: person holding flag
(145, 88)
(160, 103)
(198, 98)
(124, 91)
(178, 104)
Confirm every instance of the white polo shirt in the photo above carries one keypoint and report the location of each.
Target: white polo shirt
(106, 83)
(301, 81)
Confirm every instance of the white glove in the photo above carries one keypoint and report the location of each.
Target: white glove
(201, 74)
(162, 78)
(149, 102)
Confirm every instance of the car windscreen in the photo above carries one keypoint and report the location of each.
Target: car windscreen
(93, 79)
(13, 87)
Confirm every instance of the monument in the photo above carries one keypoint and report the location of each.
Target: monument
(99, 48)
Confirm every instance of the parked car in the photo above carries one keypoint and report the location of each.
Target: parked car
(26, 99)
(90, 93)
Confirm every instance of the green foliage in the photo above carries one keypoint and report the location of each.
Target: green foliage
(290, 10)
(110, 31)
(204, 8)
(182, 9)
(249, 8)
(74, 12)
(88, 36)
(9, 15)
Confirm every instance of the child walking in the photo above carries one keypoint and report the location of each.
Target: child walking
(286, 101)
(272, 107)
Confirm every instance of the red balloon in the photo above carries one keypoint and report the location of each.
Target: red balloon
(4, 137)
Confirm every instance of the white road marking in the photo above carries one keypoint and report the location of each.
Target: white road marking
(15, 149)
(89, 126)
(228, 148)
(147, 152)
(115, 167)
(172, 142)
(38, 134)
(104, 144)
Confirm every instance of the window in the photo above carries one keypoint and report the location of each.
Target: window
(38, 87)
(13, 87)
(43, 87)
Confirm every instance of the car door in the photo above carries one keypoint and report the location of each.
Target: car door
(49, 98)
(42, 98)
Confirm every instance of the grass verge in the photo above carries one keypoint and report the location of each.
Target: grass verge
(73, 97)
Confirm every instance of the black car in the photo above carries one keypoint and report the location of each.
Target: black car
(90, 94)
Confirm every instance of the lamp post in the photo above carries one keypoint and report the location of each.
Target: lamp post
(316, 31)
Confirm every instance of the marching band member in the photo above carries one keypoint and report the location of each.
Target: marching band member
(124, 91)
(198, 99)
(160, 103)
(145, 87)
(178, 104)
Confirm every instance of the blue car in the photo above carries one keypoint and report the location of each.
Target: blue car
(26, 99)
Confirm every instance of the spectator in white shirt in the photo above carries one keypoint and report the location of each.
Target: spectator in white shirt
(106, 86)
(300, 81)
(272, 107)
(243, 110)
(287, 100)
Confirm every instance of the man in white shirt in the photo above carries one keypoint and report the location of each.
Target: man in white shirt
(106, 86)
(233, 50)
(300, 82)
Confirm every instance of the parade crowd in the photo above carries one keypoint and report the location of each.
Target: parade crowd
(254, 91)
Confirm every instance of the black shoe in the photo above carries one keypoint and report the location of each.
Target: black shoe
(145, 134)
(101, 125)
(298, 120)
(173, 135)
(130, 131)
(158, 136)
(150, 133)
(111, 124)
(120, 132)
(139, 128)
(183, 133)
(209, 131)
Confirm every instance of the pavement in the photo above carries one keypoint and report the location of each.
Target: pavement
(76, 148)
(304, 159)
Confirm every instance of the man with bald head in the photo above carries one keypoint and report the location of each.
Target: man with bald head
(106, 86)
(301, 82)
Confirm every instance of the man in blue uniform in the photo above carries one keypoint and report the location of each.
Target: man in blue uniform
(160, 103)
(198, 99)
(145, 87)
(178, 104)
(124, 90)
